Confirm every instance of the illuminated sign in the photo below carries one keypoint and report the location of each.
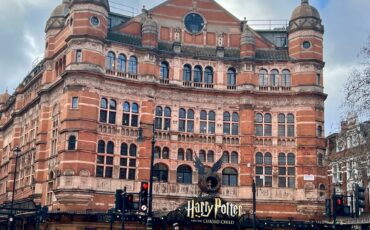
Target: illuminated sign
(212, 211)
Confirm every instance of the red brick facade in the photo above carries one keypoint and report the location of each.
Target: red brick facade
(235, 109)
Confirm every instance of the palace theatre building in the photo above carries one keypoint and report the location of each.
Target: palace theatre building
(219, 97)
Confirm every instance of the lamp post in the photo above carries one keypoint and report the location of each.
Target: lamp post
(149, 221)
(254, 204)
(17, 150)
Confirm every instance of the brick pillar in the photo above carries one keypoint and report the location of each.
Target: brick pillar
(246, 144)
(145, 148)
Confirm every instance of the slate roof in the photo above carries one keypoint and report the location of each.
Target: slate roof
(124, 38)
(273, 55)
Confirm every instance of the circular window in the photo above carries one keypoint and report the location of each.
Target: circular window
(194, 23)
(306, 44)
(94, 21)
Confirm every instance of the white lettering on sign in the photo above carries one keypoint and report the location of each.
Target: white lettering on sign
(203, 209)
(309, 177)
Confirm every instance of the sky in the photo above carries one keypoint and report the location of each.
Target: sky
(347, 26)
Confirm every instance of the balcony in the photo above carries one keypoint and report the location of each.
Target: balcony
(211, 139)
(231, 140)
(275, 141)
(118, 130)
(162, 135)
(164, 81)
(231, 87)
(274, 88)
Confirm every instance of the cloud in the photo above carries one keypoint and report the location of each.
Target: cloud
(346, 23)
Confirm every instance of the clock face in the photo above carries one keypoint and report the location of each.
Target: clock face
(194, 23)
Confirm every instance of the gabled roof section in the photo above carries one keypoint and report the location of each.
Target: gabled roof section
(210, 9)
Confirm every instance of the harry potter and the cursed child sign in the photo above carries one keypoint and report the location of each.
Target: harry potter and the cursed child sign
(212, 210)
(209, 208)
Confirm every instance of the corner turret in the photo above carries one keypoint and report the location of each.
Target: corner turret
(306, 33)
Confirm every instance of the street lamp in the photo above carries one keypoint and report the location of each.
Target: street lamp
(17, 150)
(149, 221)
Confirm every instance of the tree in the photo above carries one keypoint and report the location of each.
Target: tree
(357, 87)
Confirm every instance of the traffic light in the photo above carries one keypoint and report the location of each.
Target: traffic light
(129, 202)
(144, 196)
(360, 199)
(118, 200)
(338, 205)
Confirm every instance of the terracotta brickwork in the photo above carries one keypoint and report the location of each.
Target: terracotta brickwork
(73, 117)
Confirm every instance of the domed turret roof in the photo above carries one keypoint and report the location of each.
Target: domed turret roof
(61, 10)
(4, 97)
(149, 24)
(305, 10)
(305, 17)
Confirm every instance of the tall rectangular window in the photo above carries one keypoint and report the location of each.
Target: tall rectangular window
(78, 55)
(74, 102)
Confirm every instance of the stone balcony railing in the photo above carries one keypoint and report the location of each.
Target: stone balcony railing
(117, 129)
(275, 141)
(191, 84)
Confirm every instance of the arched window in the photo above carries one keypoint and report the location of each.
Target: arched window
(162, 118)
(290, 125)
(103, 110)
(112, 111)
(186, 120)
(164, 74)
(210, 156)
(207, 122)
(258, 124)
(157, 152)
(226, 123)
(267, 125)
(231, 77)
(234, 157)
(262, 77)
(72, 143)
(229, 177)
(133, 150)
(186, 75)
(110, 61)
(166, 153)
(197, 76)
(121, 67)
(160, 172)
(182, 120)
(101, 146)
(235, 124)
(127, 164)
(319, 131)
(322, 189)
(225, 157)
(158, 117)
(184, 174)
(124, 149)
(202, 155)
(180, 155)
(264, 170)
(320, 159)
(281, 125)
(274, 77)
(286, 78)
(130, 115)
(286, 170)
(208, 75)
(104, 160)
(132, 65)
(110, 147)
(189, 155)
